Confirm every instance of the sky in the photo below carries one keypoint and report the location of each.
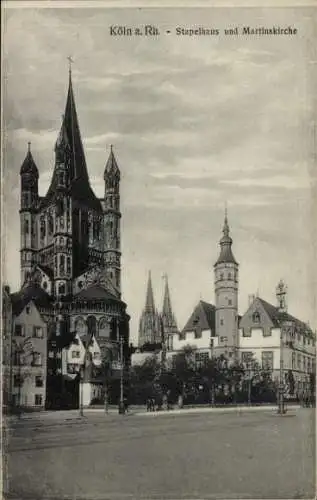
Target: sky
(195, 122)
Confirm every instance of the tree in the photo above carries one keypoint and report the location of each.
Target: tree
(212, 374)
(184, 369)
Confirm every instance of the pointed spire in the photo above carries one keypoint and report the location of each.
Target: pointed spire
(77, 168)
(167, 306)
(28, 165)
(226, 254)
(149, 301)
(168, 317)
(111, 168)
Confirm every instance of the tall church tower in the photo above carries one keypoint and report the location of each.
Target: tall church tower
(29, 200)
(149, 326)
(112, 216)
(226, 294)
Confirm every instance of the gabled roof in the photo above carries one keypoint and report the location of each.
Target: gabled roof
(203, 317)
(32, 292)
(277, 317)
(95, 292)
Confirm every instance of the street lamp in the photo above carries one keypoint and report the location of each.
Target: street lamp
(121, 403)
(285, 328)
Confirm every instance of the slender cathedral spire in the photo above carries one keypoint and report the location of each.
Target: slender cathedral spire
(168, 318)
(149, 301)
(111, 168)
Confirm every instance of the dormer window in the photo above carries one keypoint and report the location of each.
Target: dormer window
(256, 318)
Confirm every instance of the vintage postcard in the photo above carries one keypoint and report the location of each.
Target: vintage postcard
(159, 278)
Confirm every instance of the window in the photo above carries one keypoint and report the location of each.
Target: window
(229, 302)
(246, 356)
(39, 381)
(201, 358)
(45, 285)
(28, 309)
(18, 331)
(38, 399)
(229, 276)
(308, 365)
(198, 333)
(104, 328)
(221, 322)
(304, 363)
(299, 362)
(299, 338)
(17, 381)
(37, 359)
(26, 227)
(266, 332)
(38, 332)
(246, 333)
(75, 354)
(223, 339)
(51, 354)
(91, 325)
(256, 318)
(267, 360)
(293, 361)
(61, 289)
(221, 276)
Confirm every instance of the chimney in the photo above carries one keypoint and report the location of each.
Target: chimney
(251, 299)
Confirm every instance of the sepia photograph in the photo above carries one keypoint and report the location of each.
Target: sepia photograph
(159, 248)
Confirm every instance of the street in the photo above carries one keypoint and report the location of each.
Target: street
(214, 455)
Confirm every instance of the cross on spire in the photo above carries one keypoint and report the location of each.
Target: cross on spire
(70, 62)
(29, 146)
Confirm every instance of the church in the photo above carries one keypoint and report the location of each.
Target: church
(71, 263)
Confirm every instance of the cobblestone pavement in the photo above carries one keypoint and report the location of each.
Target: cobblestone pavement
(255, 454)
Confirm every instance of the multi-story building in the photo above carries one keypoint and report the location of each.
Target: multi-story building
(26, 345)
(265, 333)
(71, 253)
(276, 339)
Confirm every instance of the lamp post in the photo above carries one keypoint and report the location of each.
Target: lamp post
(286, 327)
(121, 403)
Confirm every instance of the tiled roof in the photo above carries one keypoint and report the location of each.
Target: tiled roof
(30, 292)
(203, 317)
(277, 316)
(95, 292)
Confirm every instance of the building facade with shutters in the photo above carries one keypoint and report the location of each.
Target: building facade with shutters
(71, 256)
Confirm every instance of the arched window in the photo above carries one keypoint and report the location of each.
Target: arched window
(68, 265)
(26, 227)
(50, 224)
(61, 289)
(80, 326)
(42, 228)
(62, 263)
(92, 325)
(104, 328)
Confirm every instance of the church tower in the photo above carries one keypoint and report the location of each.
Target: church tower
(226, 294)
(168, 318)
(112, 216)
(29, 200)
(149, 326)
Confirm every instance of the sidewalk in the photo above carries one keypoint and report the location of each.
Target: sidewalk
(73, 416)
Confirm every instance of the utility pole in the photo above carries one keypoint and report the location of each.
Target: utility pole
(121, 403)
